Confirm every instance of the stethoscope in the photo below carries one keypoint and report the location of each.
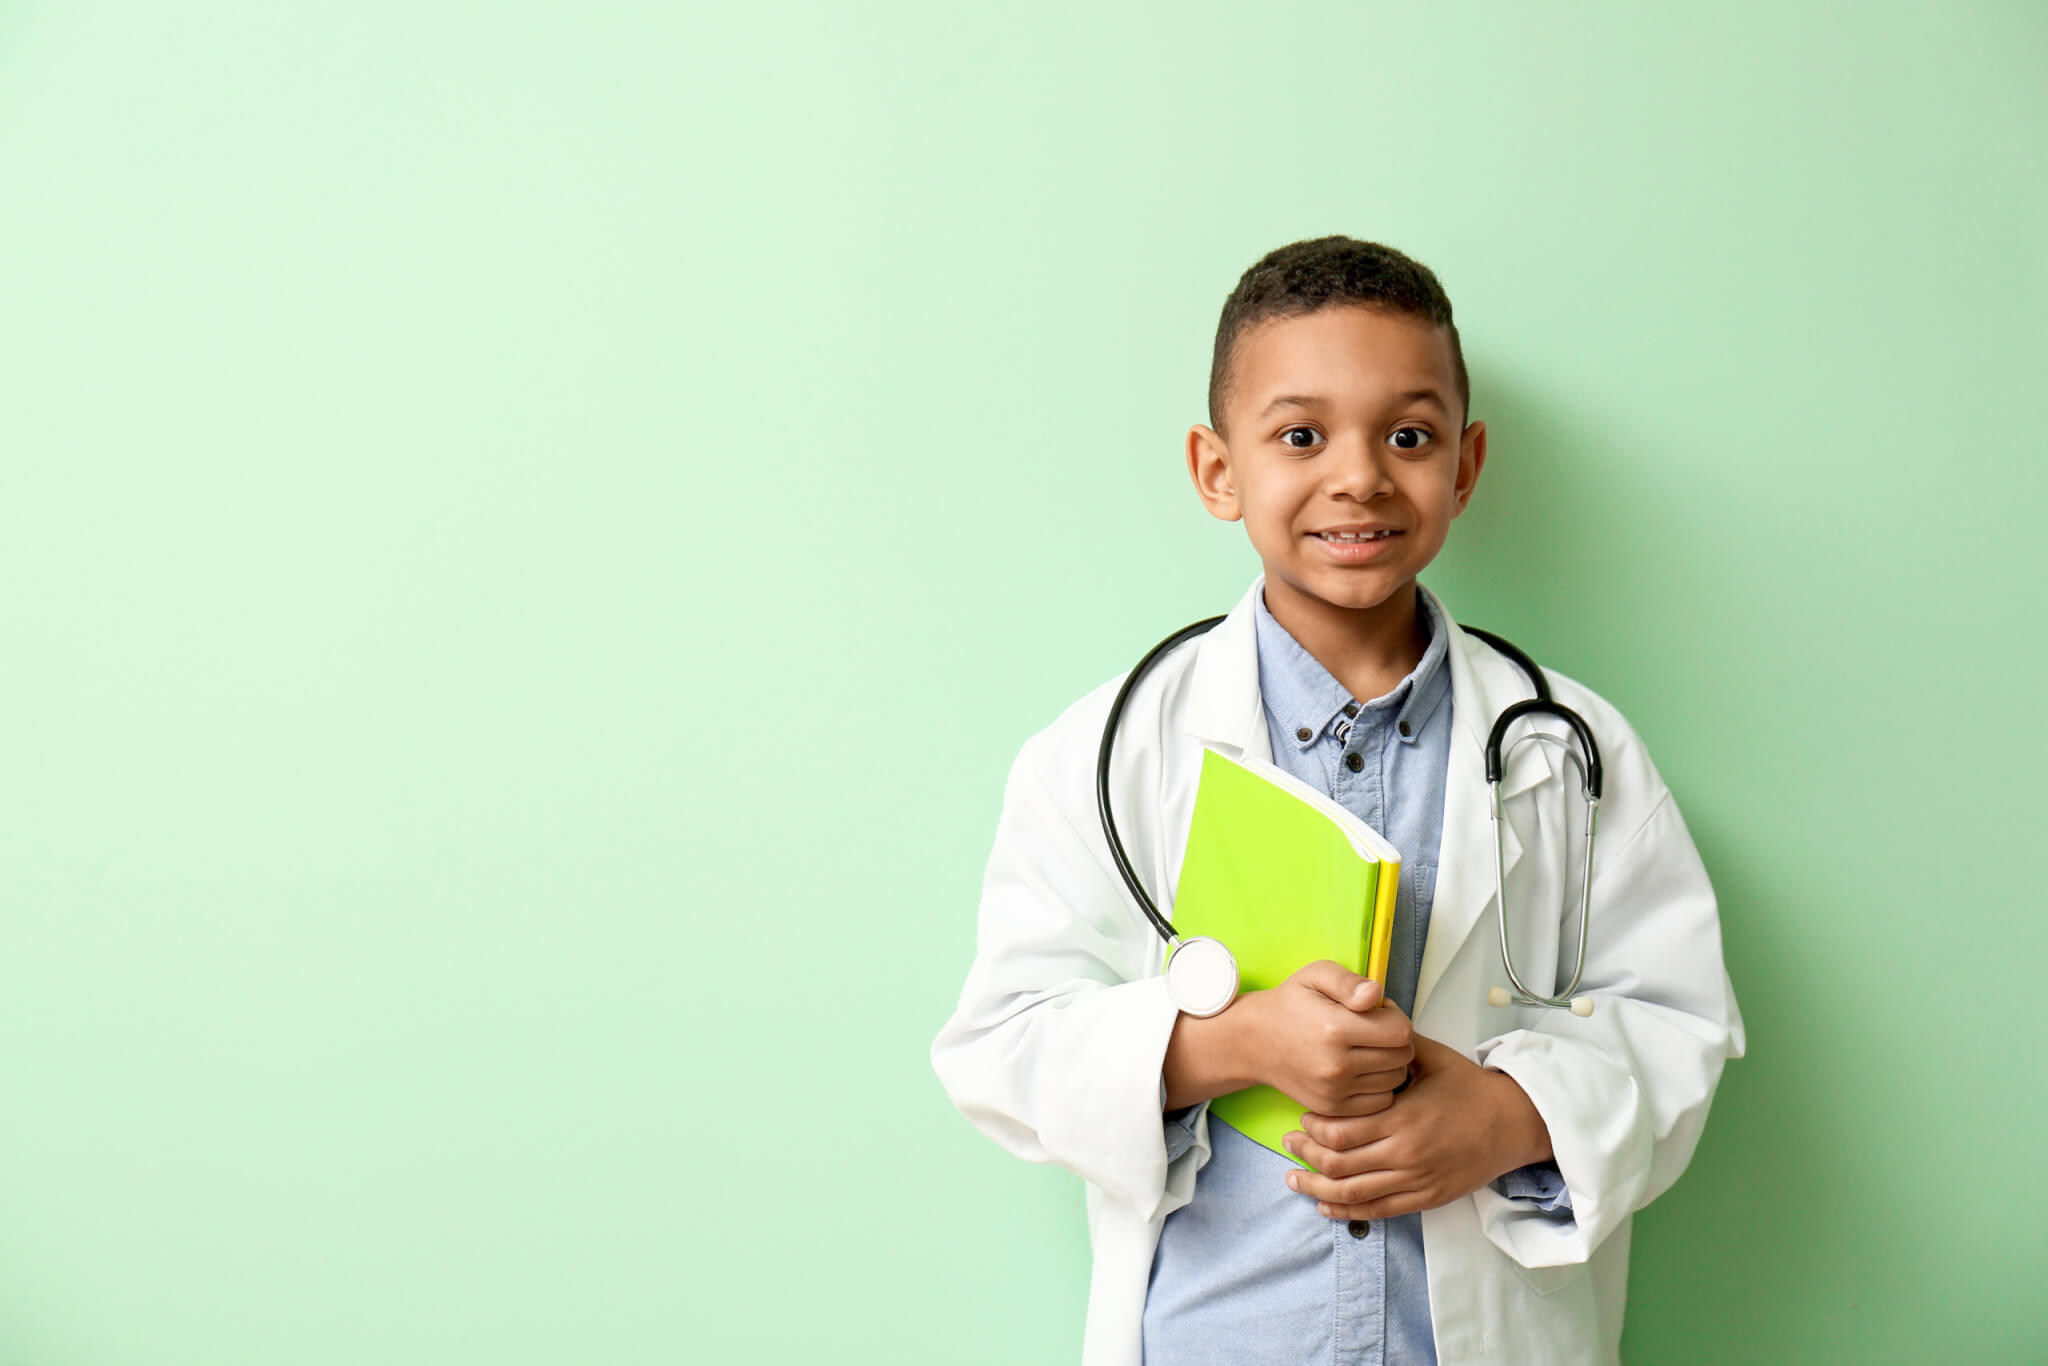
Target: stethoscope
(1201, 973)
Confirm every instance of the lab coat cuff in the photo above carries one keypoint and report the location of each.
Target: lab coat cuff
(1600, 1146)
(1107, 1126)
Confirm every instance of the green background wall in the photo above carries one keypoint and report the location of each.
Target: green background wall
(531, 536)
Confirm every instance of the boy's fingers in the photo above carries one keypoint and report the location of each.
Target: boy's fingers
(1328, 1161)
(1339, 983)
(1338, 1132)
(1334, 1163)
(1350, 1190)
(1359, 1104)
(1384, 1082)
(1386, 1207)
(1386, 1029)
(1366, 1104)
(1368, 1067)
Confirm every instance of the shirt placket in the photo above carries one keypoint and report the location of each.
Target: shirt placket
(1359, 737)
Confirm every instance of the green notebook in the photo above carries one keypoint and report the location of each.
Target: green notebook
(1283, 874)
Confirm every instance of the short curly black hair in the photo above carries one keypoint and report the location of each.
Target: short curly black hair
(1322, 272)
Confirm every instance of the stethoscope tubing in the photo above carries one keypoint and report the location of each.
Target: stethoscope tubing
(1588, 785)
(1542, 703)
(1116, 711)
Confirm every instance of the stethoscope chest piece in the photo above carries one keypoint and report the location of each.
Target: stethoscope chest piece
(1201, 975)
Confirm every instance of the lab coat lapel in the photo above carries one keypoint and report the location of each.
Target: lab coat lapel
(1223, 699)
(1483, 683)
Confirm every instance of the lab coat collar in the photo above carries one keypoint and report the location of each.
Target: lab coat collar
(1224, 705)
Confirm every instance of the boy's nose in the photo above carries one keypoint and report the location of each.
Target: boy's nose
(1359, 468)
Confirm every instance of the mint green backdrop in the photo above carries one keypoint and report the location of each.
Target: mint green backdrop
(532, 536)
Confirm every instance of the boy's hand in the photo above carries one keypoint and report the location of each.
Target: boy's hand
(1325, 1037)
(1457, 1128)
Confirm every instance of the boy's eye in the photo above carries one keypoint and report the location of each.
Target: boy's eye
(1309, 432)
(1421, 433)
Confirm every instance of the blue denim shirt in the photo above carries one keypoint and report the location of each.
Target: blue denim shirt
(1247, 1271)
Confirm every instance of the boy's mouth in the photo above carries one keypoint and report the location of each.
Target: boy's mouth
(1353, 537)
(1358, 544)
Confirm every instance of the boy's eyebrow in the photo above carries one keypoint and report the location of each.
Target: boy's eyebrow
(1316, 400)
(1291, 400)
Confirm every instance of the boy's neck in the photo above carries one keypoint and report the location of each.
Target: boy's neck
(1367, 649)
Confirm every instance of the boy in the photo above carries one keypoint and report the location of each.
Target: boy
(1471, 1176)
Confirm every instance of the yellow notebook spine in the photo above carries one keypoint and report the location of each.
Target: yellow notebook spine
(1387, 886)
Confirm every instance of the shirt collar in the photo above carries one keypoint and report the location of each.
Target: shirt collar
(1302, 695)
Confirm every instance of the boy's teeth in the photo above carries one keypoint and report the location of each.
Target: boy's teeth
(1354, 536)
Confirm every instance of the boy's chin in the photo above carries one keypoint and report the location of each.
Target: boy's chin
(1354, 590)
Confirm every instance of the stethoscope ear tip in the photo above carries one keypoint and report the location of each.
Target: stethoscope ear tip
(1581, 1006)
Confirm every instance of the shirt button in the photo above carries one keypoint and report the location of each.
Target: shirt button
(1354, 762)
(1404, 727)
(1351, 709)
(1304, 733)
(1359, 1228)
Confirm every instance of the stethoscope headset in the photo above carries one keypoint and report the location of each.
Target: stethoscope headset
(1201, 972)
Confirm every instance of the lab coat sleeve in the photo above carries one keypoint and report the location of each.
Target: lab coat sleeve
(1624, 1091)
(1056, 1047)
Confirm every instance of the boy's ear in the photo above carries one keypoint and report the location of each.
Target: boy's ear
(1471, 459)
(1209, 467)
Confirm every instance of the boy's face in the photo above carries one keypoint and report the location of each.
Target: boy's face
(1345, 418)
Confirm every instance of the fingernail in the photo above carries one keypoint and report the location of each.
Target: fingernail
(1322, 1209)
(1293, 1181)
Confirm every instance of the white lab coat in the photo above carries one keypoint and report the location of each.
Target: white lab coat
(1056, 1046)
